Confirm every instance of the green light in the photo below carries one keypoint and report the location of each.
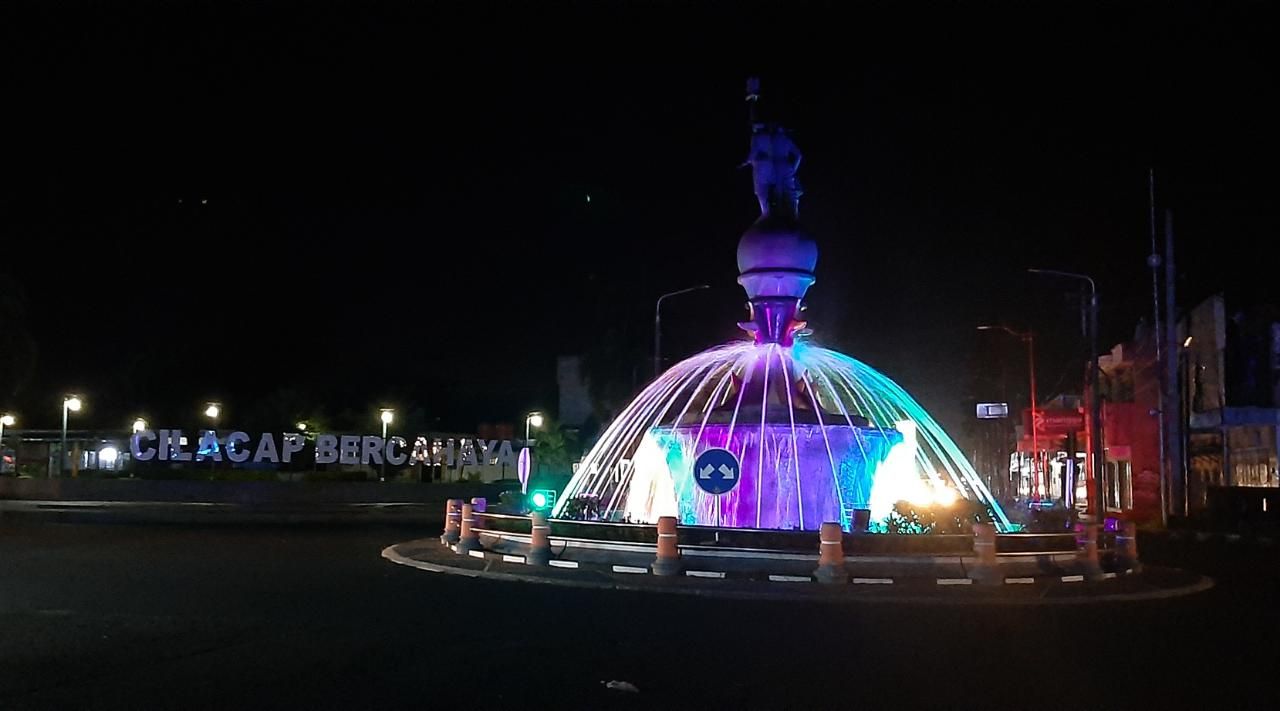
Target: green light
(542, 499)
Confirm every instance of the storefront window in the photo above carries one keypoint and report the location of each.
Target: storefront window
(1252, 452)
(1119, 476)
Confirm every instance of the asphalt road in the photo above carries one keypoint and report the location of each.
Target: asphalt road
(147, 617)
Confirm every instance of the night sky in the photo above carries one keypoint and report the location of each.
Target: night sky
(412, 204)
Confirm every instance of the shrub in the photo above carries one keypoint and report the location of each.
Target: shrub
(906, 519)
(585, 507)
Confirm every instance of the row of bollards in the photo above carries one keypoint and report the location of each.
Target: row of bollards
(1126, 549)
(459, 523)
(460, 531)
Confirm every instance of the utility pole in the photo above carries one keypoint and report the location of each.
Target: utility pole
(1173, 439)
(1153, 261)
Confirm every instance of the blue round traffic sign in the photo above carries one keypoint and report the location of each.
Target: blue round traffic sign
(716, 471)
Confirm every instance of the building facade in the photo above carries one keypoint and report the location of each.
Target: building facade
(1229, 372)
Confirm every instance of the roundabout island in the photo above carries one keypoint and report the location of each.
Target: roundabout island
(772, 467)
(830, 566)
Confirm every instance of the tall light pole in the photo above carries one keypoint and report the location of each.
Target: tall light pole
(6, 420)
(1183, 415)
(386, 415)
(1154, 261)
(532, 420)
(657, 325)
(1029, 339)
(1095, 405)
(70, 403)
(211, 411)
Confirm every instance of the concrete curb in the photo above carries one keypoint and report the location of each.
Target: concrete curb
(1246, 539)
(790, 589)
(201, 512)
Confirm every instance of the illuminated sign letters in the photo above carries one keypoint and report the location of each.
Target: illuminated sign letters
(368, 450)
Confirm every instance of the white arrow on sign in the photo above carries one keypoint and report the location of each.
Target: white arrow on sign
(727, 471)
(705, 472)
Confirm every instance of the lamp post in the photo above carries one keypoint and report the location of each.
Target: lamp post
(139, 425)
(657, 325)
(6, 420)
(70, 403)
(386, 415)
(532, 420)
(1095, 404)
(1029, 339)
(1185, 403)
(211, 411)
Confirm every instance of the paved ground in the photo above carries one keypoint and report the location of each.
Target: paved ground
(128, 617)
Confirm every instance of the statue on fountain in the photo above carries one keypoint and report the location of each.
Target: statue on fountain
(774, 160)
(776, 257)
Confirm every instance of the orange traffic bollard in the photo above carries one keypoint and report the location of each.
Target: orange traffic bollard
(1127, 548)
(469, 539)
(668, 560)
(452, 521)
(539, 540)
(831, 555)
(986, 567)
(1087, 550)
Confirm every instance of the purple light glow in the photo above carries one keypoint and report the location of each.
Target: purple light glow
(787, 476)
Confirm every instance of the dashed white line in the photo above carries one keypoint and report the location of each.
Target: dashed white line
(1073, 578)
(512, 558)
(789, 578)
(1019, 581)
(563, 563)
(704, 573)
(955, 581)
(476, 554)
(629, 569)
(873, 581)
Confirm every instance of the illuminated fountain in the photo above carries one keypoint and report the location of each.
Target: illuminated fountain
(818, 435)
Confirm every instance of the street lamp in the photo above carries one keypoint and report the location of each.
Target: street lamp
(1185, 402)
(70, 403)
(1029, 339)
(139, 425)
(211, 411)
(532, 420)
(6, 420)
(657, 326)
(1095, 404)
(386, 415)
(302, 426)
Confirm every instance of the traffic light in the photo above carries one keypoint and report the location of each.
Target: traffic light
(542, 499)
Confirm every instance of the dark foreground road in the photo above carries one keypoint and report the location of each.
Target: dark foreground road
(134, 617)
